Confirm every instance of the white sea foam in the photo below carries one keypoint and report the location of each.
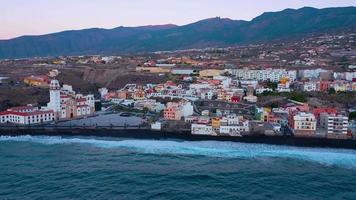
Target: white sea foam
(346, 158)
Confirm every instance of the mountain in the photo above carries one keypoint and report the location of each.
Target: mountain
(289, 23)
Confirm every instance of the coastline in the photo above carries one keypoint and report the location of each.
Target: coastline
(148, 134)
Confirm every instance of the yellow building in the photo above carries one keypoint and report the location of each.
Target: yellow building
(155, 70)
(139, 95)
(215, 122)
(36, 81)
(210, 72)
(284, 80)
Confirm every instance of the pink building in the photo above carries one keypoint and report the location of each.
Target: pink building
(172, 112)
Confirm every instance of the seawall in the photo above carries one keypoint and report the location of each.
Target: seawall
(144, 133)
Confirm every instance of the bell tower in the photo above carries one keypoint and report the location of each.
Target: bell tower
(55, 96)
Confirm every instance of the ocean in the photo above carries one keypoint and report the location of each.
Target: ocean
(38, 167)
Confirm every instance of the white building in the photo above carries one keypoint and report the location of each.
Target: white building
(55, 97)
(262, 90)
(156, 126)
(250, 98)
(187, 109)
(103, 92)
(202, 129)
(26, 115)
(304, 123)
(66, 104)
(207, 95)
(235, 129)
(283, 87)
(274, 75)
(310, 86)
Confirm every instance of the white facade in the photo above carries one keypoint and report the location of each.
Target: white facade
(103, 92)
(310, 87)
(207, 95)
(90, 100)
(26, 118)
(274, 75)
(283, 87)
(231, 130)
(202, 129)
(304, 122)
(156, 126)
(262, 90)
(55, 97)
(250, 98)
(187, 109)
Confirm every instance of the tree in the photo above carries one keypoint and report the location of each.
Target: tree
(300, 97)
(272, 85)
(352, 115)
(274, 105)
(331, 91)
(145, 110)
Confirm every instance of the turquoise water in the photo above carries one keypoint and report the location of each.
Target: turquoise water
(108, 168)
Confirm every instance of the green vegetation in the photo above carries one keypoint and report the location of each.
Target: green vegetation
(298, 96)
(295, 96)
(272, 85)
(352, 115)
(331, 91)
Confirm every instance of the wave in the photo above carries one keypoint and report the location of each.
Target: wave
(338, 157)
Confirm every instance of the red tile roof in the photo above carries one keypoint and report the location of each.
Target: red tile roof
(25, 114)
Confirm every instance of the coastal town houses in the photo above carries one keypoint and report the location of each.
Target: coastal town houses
(175, 111)
(26, 115)
(303, 124)
(273, 75)
(66, 104)
(231, 125)
(335, 125)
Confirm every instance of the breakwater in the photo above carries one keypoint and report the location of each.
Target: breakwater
(146, 133)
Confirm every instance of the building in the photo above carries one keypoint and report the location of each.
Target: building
(103, 92)
(334, 125)
(274, 75)
(183, 71)
(55, 97)
(303, 124)
(318, 111)
(210, 72)
(283, 87)
(37, 81)
(26, 115)
(202, 129)
(251, 99)
(175, 111)
(310, 87)
(66, 104)
(154, 70)
(235, 129)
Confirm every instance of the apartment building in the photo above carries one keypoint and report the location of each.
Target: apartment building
(303, 123)
(334, 124)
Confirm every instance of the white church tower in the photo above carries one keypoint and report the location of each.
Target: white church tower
(55, 97)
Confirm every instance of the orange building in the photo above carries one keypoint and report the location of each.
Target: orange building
(172, 112)
(37, 81)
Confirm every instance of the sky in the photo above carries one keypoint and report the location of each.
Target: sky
(35, 17)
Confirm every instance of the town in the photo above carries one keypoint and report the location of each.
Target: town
(302, 88)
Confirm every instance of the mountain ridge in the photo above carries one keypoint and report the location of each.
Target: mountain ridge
(211, 32)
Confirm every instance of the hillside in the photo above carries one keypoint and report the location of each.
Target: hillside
(212, 32)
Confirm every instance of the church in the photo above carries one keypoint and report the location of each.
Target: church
(67, 104)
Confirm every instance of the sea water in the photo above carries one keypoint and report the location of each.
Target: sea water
(37, 167)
